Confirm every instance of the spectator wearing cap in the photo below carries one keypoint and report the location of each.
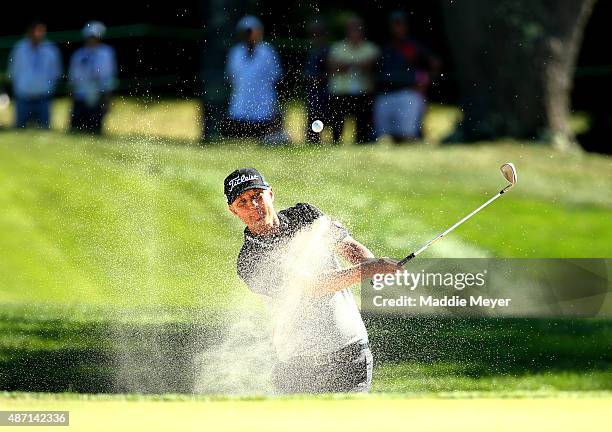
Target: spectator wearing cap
(92, 78)
(316, 77)
(35, 66)
(405, 71)
(253, 70)
(351, 83)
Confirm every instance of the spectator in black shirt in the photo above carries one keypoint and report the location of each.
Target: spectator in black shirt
(406, 68)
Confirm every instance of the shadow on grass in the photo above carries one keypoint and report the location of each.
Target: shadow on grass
(494, 346)
(57, 356)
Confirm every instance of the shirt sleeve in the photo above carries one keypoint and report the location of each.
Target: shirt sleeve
(339, 231)
(58, 68)
(335, 52)
(12, 63)
(73, 69)
(244, 270)
(109, 71)
(310, 213)
(373, 51)
(276, 69)
(261, 279)
(307, 213)
(229, 64)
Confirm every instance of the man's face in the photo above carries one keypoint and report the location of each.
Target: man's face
(255, 208)
(354, 31)
(253, 36)
(399, 28)
(92, 41)
(38, 32)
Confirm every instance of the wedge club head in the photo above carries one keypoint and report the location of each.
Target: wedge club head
(508, 170)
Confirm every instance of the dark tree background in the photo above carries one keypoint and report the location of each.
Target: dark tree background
(515, 62)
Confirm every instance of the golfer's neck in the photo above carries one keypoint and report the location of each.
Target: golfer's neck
(270, 227)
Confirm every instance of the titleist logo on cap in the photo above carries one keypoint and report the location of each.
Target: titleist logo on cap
(241, 179)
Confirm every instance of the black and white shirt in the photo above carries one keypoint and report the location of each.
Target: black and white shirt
(277, 266)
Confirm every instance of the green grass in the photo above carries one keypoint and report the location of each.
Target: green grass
(417, 356)
(414, 377)
(139, 221)
(130, 233)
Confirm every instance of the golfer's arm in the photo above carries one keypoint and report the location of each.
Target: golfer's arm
(336, 280)
(353, 251)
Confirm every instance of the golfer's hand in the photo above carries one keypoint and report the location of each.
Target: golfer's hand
(381, 266)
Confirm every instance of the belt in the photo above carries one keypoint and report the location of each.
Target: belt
(349, 351)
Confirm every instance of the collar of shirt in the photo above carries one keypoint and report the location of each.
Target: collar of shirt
(34, 47)
(269, 240)
(248, 53)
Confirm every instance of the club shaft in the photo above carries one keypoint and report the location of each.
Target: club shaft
(439, 236)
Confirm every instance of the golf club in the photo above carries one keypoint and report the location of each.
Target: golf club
(509, 172)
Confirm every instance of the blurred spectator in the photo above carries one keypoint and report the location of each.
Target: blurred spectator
(92, 78)
(351, 82)
(315, 72)
(35, 65)
(253, 69)
(406, 69)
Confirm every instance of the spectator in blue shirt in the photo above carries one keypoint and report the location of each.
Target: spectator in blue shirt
(35, 66)
(253, 69)
(92, 77)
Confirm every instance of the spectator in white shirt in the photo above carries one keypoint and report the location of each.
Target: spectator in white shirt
(351, 64)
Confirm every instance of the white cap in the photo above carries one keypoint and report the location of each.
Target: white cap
(94, 29)
(248, 22)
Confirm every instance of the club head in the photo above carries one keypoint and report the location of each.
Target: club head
(509, 172)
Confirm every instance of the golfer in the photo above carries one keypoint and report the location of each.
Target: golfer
(319, 337)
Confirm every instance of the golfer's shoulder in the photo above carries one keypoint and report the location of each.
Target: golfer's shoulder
(302, 212)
